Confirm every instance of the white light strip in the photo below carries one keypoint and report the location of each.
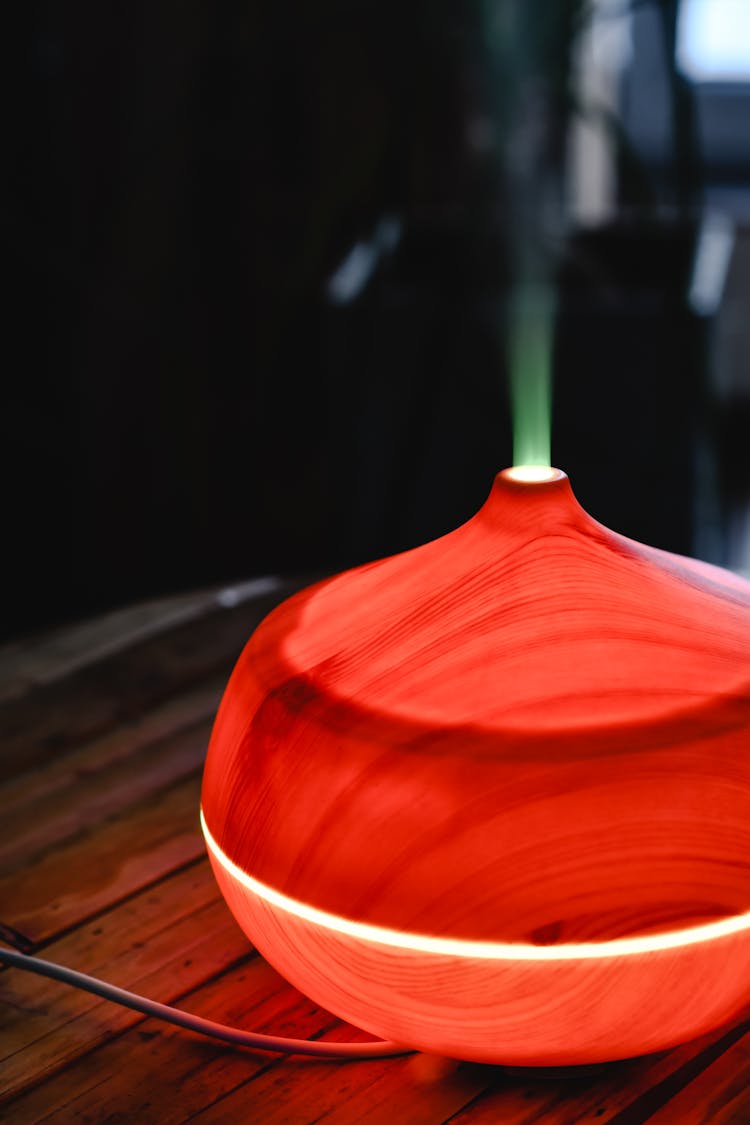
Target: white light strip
(461, 947)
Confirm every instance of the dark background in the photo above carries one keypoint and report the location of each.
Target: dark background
(187, 397)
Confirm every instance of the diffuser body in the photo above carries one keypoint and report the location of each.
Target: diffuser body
(491, 797)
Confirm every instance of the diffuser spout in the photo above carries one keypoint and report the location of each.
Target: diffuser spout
(526, 502)
(532, 474)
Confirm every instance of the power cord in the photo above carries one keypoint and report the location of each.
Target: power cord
(374, 1049)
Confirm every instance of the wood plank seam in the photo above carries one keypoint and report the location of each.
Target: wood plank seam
(660, 1094)
(16, 939)
(95, 915)
(131, 1020)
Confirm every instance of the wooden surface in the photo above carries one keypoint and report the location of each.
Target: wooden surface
(103, 732)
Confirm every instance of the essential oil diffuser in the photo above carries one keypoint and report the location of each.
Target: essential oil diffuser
(491, 797)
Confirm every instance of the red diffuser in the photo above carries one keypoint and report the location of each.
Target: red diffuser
(491, 797)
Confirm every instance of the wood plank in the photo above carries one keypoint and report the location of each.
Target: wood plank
(51, 655)
(124, 1079)
(226, 1086)
(96, 756)
(719, 1095)
(44, 657)
(627, 1091)
(422, 1090)
(162, 943)
(421, 1087)
(95, 697)
(101, 1085)
(427, 1090)
(81, 790)
(93, 870)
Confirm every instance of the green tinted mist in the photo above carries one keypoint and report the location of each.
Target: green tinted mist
(530, 326)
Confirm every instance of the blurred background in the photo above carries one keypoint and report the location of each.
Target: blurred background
(275, 274)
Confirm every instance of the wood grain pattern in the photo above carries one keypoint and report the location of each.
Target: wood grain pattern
(79, 878)
(718, 1096)
(74, 700)
(183, 936)
(79, 791)
(66, 1056)
(531, 732)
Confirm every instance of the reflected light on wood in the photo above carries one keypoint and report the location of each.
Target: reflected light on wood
(491, 797)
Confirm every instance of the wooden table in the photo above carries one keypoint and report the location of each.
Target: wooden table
(102, 868)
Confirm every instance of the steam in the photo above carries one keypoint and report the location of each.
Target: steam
(531, 317)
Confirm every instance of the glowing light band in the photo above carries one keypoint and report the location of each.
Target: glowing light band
(484, 950)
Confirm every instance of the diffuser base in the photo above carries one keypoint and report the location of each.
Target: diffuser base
(545, 1007)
